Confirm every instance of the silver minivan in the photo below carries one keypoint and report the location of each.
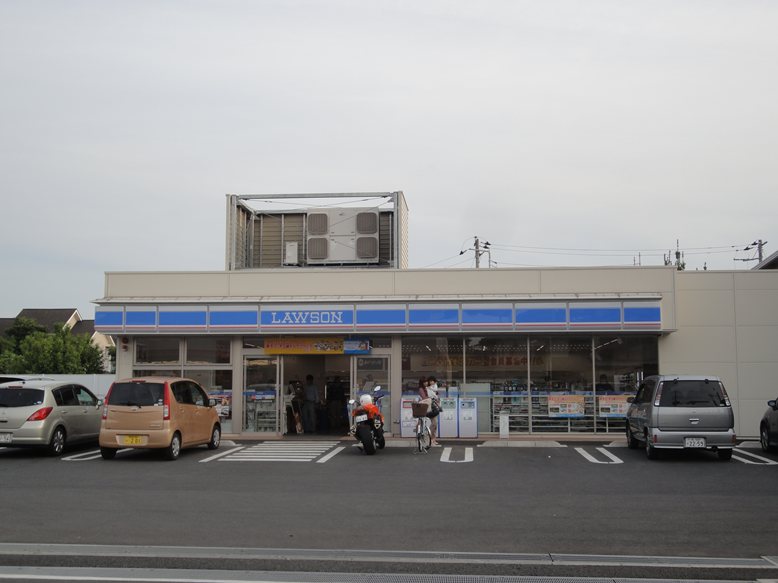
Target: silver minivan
(681, 412)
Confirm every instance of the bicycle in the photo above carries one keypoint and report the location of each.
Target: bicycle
(422, 431)
(423, 435)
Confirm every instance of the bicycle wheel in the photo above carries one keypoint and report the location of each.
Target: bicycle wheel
(423, 438)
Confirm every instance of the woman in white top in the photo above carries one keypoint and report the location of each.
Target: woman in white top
(429, 390)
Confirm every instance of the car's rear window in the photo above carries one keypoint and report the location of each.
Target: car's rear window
(137, 394)
(690, 393)
(21, 397)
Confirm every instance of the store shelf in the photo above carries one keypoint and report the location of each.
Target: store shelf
(260, 414)
(517, 407)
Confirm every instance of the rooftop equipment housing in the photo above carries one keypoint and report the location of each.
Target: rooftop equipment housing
(316, 230)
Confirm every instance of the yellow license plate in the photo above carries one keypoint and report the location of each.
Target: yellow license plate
(132, 440)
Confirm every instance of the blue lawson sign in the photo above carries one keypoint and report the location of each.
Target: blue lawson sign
(525, 316)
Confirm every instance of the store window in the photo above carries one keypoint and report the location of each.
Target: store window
(207, 350)
(562, 384)
(253, 342)
(260, 395)
(157, 372)
(559, 383)
(218, 385)
(373, 379)
(620, 364)
(158, 350)
(496, 374)
(439, 356)
(380, 342)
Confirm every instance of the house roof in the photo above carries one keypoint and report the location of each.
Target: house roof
(49, 318)
(84, 327)
(770, 263)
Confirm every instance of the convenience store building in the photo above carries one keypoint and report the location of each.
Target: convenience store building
(552, 351)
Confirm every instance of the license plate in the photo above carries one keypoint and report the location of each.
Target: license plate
(360, 418)
(6, 437)
(132, 440)
(694, 442)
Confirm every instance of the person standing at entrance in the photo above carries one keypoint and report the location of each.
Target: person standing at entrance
(428, 393)
(433, 392)
(311, 392)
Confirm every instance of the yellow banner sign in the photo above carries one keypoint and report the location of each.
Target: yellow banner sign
(303, 345)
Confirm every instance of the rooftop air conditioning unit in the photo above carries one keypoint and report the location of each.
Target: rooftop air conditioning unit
(342, 236)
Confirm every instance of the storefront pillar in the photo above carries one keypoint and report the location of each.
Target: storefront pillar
(238, 386)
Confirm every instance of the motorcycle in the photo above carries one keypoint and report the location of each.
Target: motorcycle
(368, 423)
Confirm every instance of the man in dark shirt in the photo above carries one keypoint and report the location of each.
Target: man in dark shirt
(311, 393)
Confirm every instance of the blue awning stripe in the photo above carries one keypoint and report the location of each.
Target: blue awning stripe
(649, 314)
(463, 316)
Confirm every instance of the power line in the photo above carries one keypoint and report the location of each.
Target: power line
(724, 248)
(759, 246)
(480, 249)
(593, 253)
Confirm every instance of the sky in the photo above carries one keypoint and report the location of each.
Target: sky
(604, 132)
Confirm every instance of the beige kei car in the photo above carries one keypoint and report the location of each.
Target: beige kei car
(166, 413)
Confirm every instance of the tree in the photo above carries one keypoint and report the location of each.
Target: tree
(92, 360)
(57, 352)
(21, 329)
(11, 363)
(7, 344)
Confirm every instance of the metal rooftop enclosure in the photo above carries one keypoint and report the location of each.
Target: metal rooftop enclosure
(358, 229)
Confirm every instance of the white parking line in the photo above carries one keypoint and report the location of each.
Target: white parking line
(330, 455)
(444, 457)
(78, 457)
(603, 451)
(763, 461)
(222, 454)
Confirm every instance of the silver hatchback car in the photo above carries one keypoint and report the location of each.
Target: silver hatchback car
(768, 427)
(681, 412)
(48, 414)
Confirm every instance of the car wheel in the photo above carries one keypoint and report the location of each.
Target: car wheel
(216, 438)
(632, 443)
(651, 451)
(57, 442)
(764, 439)
(174, 449)
(725, 454)
(108, 453)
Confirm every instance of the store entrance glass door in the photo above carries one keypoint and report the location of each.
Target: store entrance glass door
(260, 394)
(371, 372)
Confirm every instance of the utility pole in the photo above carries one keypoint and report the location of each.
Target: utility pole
(759, 244)
(479, 250)
(680, 263)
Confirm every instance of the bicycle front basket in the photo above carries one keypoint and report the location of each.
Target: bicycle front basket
(419, 409)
